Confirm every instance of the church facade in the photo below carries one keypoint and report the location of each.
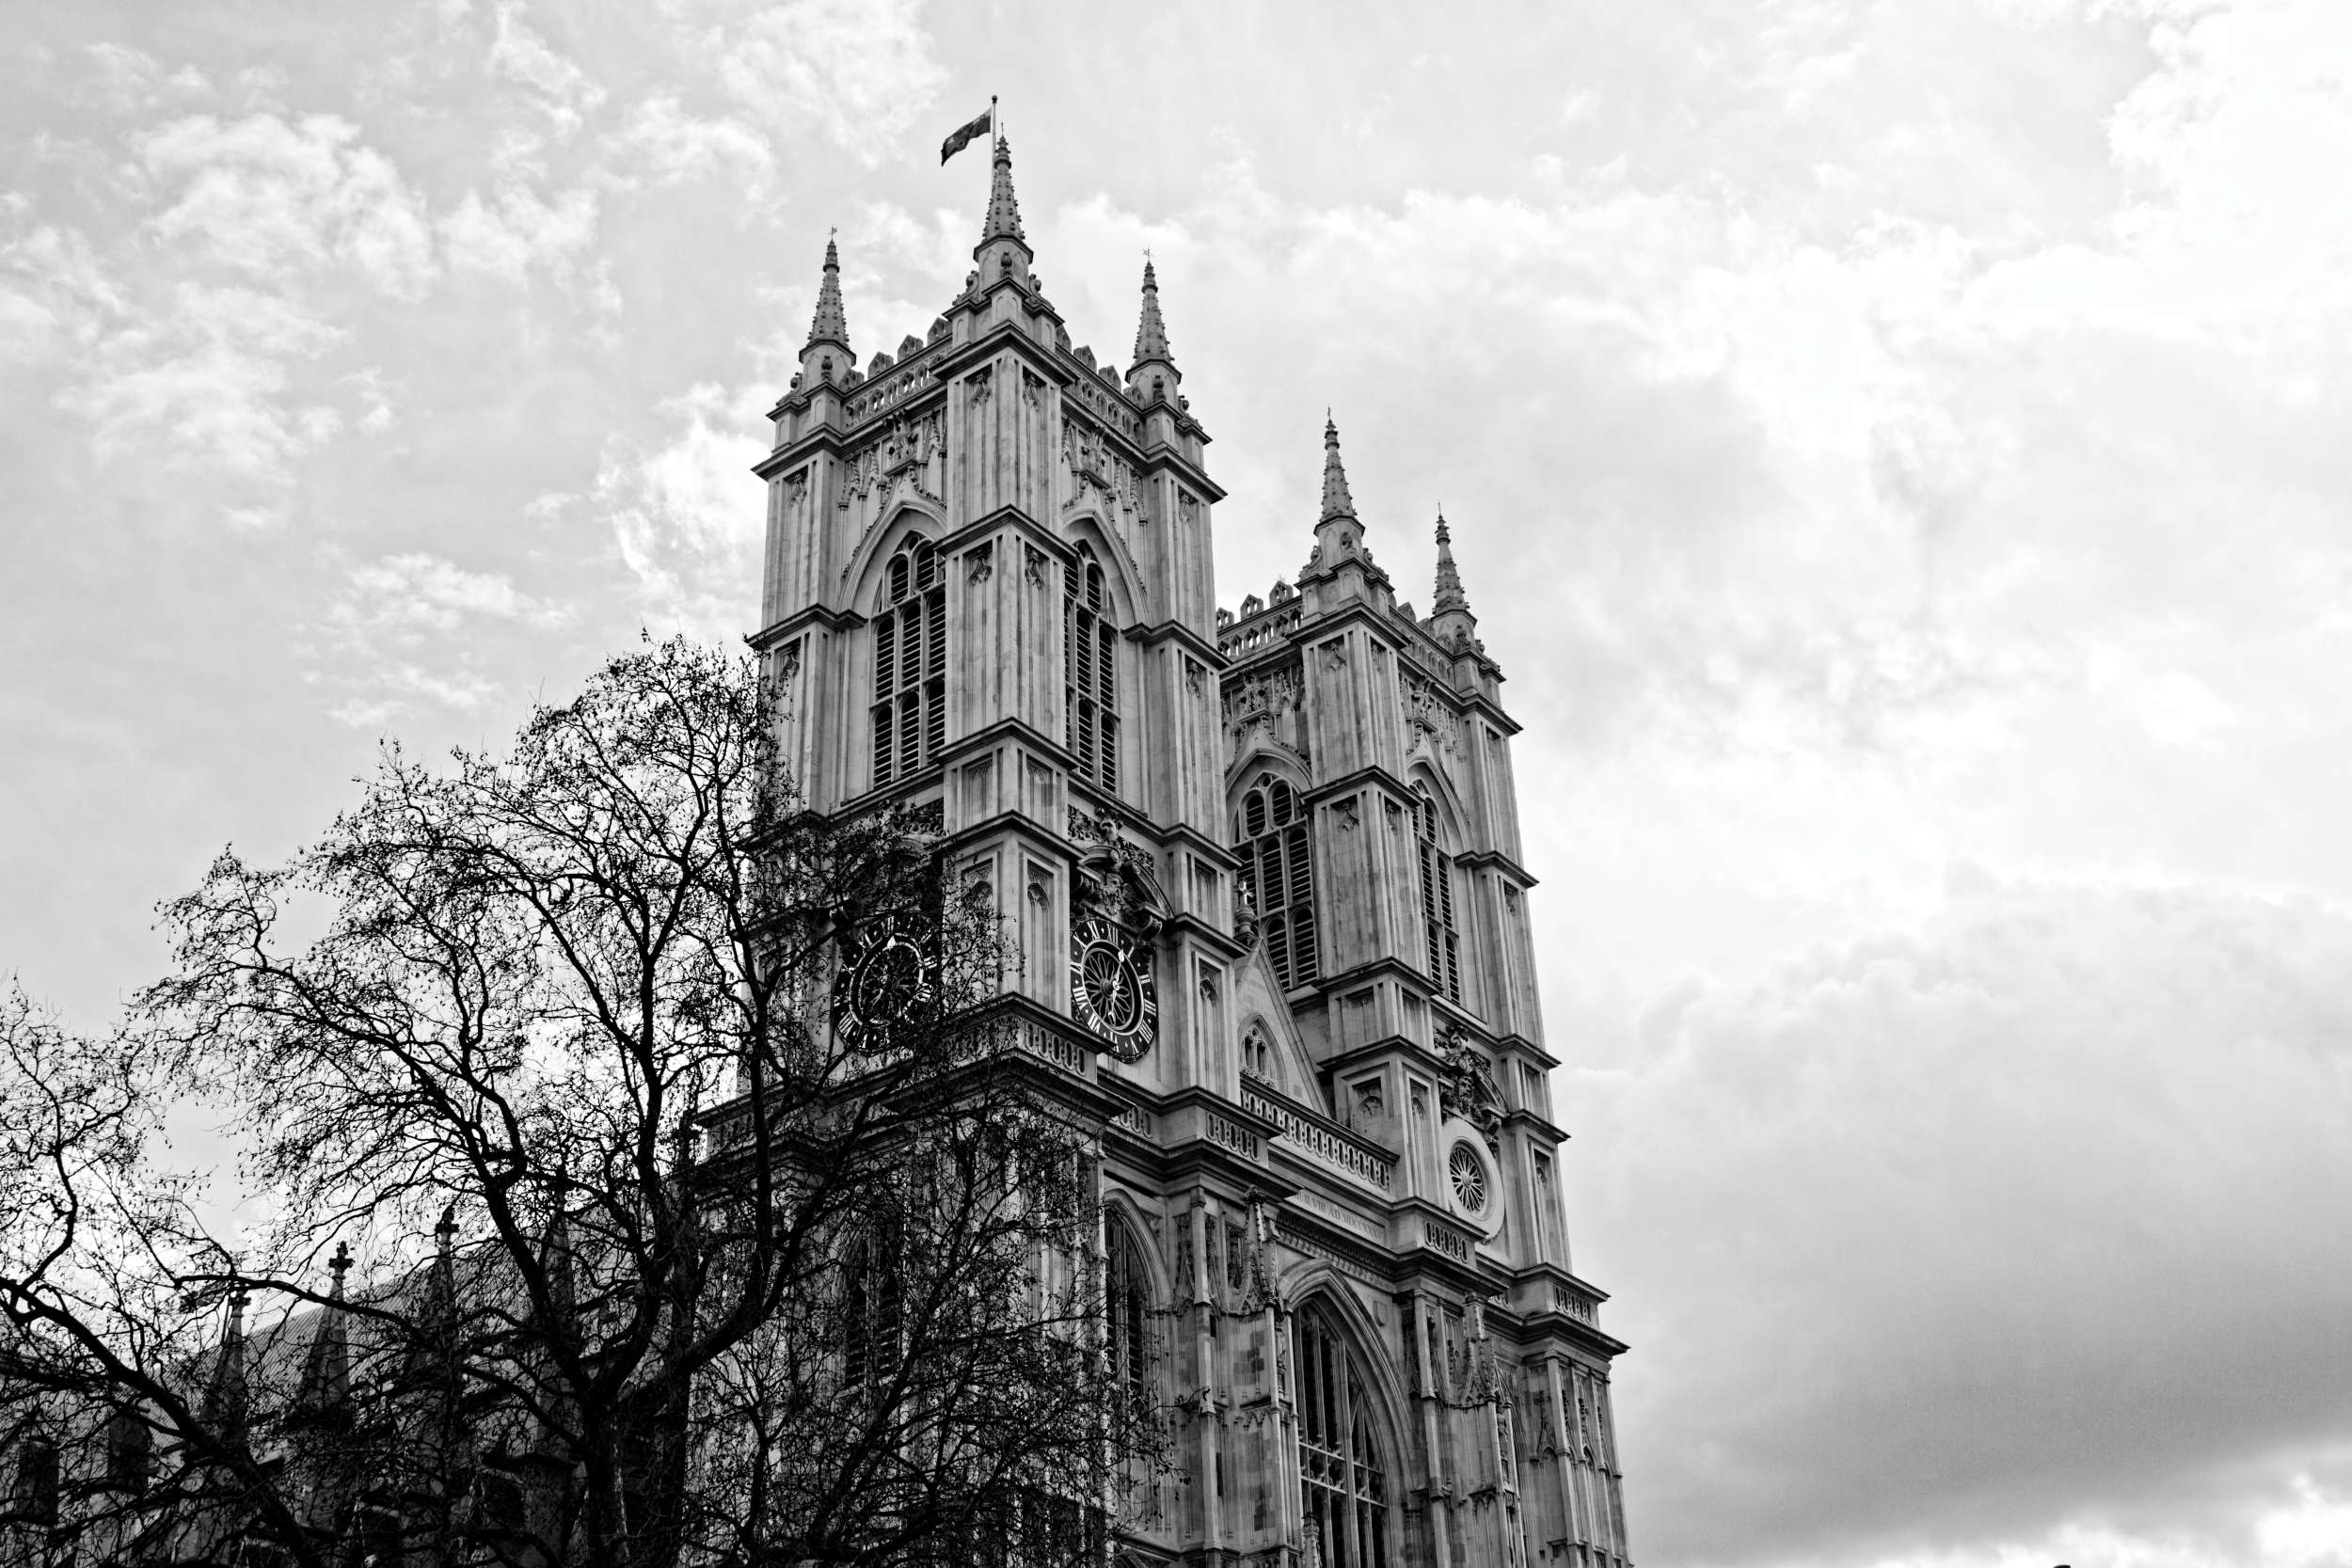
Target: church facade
(1263, 872)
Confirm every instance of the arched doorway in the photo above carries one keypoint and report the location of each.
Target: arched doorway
(1342, 1471)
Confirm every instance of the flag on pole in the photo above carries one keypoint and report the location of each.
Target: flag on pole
(962, 135)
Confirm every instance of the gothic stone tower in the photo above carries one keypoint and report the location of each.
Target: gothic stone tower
(1263, 874)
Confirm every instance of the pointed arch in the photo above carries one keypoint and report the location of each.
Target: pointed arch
(1437, 839)
(1122, 581)
(863, 574)
(1351, 1455)
(1132, 1294)
(1091, 679)
(1452, 812)
(907, 715)
(1270, 818)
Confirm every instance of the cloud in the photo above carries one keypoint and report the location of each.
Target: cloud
(275, 200)
(415, 595)
(2041, 1215)
(562, 90)
(406, 633)
(661, 141)
(858, 73)
(686, 515)
(209, 387)
(516, 230)
(130, 81)
(55, 293)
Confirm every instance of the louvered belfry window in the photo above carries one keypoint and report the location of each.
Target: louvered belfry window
(1444, 946)
(1091, 674)
(910, 665)
(1276, 872)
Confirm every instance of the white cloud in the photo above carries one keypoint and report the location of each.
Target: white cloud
(130, 81)
(406, 634)
(859, 72)
(686, 514)
(665, 143)
(416, 596)
(210, 388)
(55, 293)
(559, 86)
(517, 230)
(275, 198)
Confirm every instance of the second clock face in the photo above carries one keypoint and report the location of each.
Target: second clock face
(888, 982)
(1111, 990)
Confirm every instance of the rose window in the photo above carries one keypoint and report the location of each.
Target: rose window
(1469, 1175)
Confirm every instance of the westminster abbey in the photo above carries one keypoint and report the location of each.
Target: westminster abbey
(1264, 869)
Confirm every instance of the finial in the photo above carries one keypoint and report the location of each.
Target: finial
(831, 323)
(339, 1265)
(1004, 208)
(447, 1228)
(1151, 330)
(1337, 503)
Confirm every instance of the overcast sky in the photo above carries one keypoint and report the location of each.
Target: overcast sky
(1901, 453)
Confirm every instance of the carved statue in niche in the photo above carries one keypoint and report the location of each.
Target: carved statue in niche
(1426, 713)
(1466, 1086)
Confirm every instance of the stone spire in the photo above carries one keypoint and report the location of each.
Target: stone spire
(831, 323)
(1450, 617)
(225, 1396)
(1450, 595)
(1339, 535)
(1004, 208)
(1004, 250)
(1337, 503)
(1151, 332)
(1154, 376)
(326, 1367)
(433, 1349)
(826, 357)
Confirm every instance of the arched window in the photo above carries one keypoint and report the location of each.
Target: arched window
(1444, 946)
(1127, 1303)
(1340, 1477)
(1091, 674)
(911, 664)
(1275, 872)
(870, 1306)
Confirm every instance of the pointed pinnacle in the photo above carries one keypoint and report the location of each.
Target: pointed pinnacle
(1337, 503)
(831, 323)
(1004, 209)
(1151, 331)
(1450, 595)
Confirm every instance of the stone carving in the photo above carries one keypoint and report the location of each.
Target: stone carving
(1091, 460)
(1466, 1086)
(980, 565)
(1274, 693)
(1426, 714)
(902, 454)
(1033, 565)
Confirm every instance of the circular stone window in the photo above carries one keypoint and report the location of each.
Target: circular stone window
(1467, 1174)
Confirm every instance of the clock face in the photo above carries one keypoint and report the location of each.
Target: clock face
(887, 983)
(1111, 990)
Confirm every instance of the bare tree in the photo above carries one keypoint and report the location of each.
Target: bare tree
(657, 1264)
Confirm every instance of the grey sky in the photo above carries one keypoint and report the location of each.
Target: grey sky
(1898, 452)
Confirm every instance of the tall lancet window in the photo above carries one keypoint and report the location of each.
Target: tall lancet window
(1090, 670)
(1444, 945)
(1126, 1301)
(911, 664)
(1278, 877)
(1341, 1477)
